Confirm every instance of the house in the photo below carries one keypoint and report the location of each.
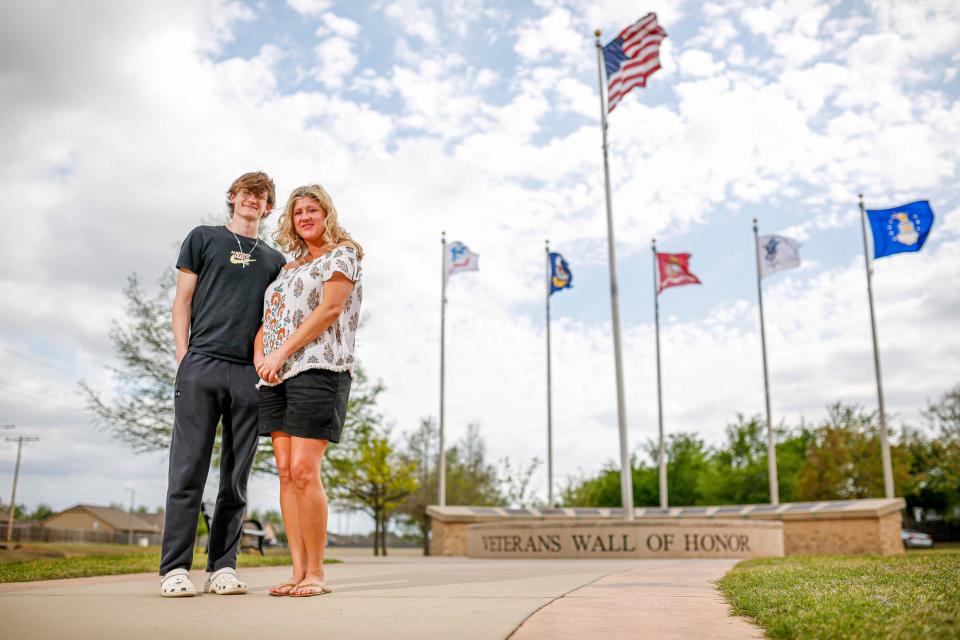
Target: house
(86, 517)
(156, 519)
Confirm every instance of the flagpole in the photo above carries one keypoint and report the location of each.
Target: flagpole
(771, 446)
(662, 450)
(626, 479)
(884, 443)
(442, 466)
(549, 391)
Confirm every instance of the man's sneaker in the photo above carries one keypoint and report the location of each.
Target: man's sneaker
(224, 582)
(177, 584)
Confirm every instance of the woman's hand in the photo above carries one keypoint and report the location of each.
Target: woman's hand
(270, 366)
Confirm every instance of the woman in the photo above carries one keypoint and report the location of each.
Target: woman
(304, 357)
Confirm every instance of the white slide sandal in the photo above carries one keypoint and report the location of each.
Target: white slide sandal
(177, 584)
(224, 582)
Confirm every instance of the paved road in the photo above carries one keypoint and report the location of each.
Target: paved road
(396, 598)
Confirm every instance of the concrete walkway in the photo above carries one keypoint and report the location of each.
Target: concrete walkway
(400, 597)
(662, 599)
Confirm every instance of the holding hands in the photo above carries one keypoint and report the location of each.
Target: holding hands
(269, 366)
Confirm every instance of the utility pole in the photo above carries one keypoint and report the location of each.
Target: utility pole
(16, 474)
(133, 493)
(10, 515)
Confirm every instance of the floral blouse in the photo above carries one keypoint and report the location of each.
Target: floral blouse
(294, 294)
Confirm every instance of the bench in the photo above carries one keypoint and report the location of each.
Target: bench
(252, 528)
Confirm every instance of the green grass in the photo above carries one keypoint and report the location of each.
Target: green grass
(911, 596)
(52, 561)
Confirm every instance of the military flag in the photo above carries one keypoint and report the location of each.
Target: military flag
(674, 270)
(900, 229)
(777, 253)
(459, 258)
(560, 276)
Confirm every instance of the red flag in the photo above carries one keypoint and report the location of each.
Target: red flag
(674, 270)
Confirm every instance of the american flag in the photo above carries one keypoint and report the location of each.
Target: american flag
(632, 57)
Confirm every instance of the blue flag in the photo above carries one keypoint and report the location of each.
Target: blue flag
(560, 276)
(900, 229)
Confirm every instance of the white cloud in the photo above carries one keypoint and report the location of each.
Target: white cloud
(716, 33)
(339, 25)
(442, 96)
(694, 62)
(791, 27)
(312, 8)
(460, 15)
(414, 18)
(553, 33)
(335, 61)
(367, 81)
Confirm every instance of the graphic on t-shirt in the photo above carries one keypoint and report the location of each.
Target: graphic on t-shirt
(239, 257)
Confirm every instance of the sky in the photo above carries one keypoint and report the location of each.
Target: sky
(481, 119)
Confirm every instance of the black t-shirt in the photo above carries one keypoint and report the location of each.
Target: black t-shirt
(228, 300)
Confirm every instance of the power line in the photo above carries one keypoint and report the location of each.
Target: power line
(33, 397)
(16, 474)
(36, 360)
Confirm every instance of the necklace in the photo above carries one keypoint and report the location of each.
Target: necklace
(241, 257)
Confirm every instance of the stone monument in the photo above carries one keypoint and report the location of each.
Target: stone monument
(730, 531)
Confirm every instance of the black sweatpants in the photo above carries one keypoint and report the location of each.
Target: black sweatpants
(209, 390)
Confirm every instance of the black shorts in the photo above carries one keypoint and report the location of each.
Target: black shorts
(311, 404)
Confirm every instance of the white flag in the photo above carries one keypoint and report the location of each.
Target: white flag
(459, 258)
(777, 253)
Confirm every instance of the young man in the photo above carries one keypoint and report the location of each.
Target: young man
(223, 271)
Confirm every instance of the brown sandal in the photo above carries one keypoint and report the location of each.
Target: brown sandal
(276, 591)
(315, 589)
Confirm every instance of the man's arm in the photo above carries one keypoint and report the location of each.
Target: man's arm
(182, 305)
(258, 348)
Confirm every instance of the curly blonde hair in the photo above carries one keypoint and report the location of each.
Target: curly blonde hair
(286, 234)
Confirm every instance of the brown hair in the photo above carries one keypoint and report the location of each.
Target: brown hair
(257, 183)
(286, 234)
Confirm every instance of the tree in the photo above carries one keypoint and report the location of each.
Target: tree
(42, 512)
(470, 478)
(142, 414)
(791, 454)
(421, 451)
(687, 460)
(515, 482)
(737, 471)
(19, 512)
(368, 475)
(603, 490)
(944, 415)
(935, 458)
(843, 458)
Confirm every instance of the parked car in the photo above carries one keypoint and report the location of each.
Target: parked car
(916, 539)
